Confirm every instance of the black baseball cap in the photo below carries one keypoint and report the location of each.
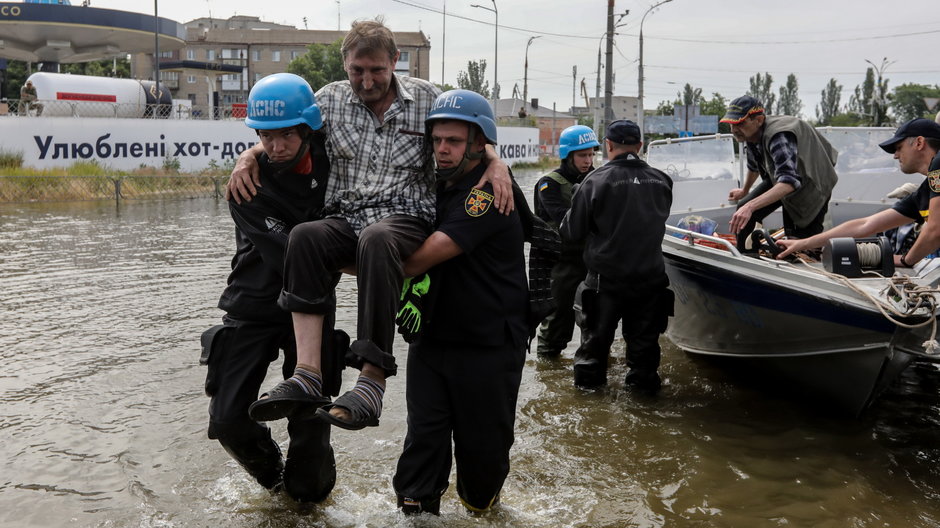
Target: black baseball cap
(623, 131)
(913, 128)
(742, 107)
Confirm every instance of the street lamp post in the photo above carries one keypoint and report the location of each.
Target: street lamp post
(495, 11)
(879, 103)
(640, 73)
(525, 76)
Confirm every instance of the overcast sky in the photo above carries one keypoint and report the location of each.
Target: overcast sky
(715, 45)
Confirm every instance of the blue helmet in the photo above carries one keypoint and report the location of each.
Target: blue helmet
(464, 105)
(282, 100)
(576, 137)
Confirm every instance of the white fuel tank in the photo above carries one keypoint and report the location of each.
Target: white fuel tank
(88, 96)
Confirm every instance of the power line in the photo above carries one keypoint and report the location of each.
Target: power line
(680, 39)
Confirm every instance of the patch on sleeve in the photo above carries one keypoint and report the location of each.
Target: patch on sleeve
(478, 202)
(933, 180)
(543, 186)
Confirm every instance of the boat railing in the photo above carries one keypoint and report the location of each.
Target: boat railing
(692, 236)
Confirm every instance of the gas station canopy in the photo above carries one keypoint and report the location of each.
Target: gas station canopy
(53, 33)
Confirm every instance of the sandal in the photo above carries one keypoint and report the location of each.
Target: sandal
(285, 400)
(362, 414)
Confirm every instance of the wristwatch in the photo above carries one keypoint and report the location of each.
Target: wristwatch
(904, 262)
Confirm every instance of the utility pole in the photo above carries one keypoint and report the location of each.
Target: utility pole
(574, 84)
(598, 131)
(156, 59)
(337, 16)
(608, 87)
(443, 41)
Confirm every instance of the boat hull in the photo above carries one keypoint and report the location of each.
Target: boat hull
(842, 352)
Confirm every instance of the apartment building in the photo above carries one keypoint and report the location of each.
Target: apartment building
(223, 58)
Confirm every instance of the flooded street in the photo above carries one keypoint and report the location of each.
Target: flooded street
(103, 420)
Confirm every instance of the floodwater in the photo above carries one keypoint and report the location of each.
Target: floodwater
(103, 420)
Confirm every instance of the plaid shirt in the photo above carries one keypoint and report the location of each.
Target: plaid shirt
(378, 169)
(783, 150)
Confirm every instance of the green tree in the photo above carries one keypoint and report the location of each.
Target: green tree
(790, 103)
(717, 106)
(860, 101)
(762, 89)
(321, 65)
(908, 101)
(690, 96)
(848, 119)
(446, 87)
(100, 68)
(829, 104)
(665, 108)
(586, 120)
(473, 78)
(15, 78)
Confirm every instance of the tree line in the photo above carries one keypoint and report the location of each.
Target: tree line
(870, 104)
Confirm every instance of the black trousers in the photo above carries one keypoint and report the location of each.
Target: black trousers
(465, 394)
(813, 228)
(557, 328)
(318, 250)
(644, 317)
(241, 354)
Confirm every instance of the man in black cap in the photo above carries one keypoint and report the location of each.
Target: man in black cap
(915, 145)
(796, 166)
(626, 277)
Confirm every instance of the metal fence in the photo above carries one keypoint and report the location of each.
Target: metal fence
(58, 108)
(22, 189)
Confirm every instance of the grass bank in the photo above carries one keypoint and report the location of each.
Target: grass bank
(89, 180)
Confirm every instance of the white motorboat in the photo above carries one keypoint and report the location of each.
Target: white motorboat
(841, 339)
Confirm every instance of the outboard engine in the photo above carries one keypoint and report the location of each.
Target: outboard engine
(852, 257)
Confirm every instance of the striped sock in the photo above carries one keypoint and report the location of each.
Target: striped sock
(309, 379)
(371, 392)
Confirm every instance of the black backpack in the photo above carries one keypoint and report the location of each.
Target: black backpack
(544, 251)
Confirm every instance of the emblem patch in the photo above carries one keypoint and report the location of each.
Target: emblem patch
(478, 202)
(933, 180)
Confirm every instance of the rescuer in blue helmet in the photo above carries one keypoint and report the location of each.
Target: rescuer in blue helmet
(576, 147)
(464, 314)
(294, 167)
(470, 107)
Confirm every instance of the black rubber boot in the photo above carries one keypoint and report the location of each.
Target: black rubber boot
(589, 373)
(411, 506)
(262, 460)
(647, 382)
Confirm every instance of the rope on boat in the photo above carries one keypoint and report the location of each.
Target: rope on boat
(904, 292)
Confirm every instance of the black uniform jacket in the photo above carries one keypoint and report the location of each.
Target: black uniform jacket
(262, 226)
(480, 296)
(620, 212)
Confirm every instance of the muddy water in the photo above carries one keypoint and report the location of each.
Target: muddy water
(103, 417)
